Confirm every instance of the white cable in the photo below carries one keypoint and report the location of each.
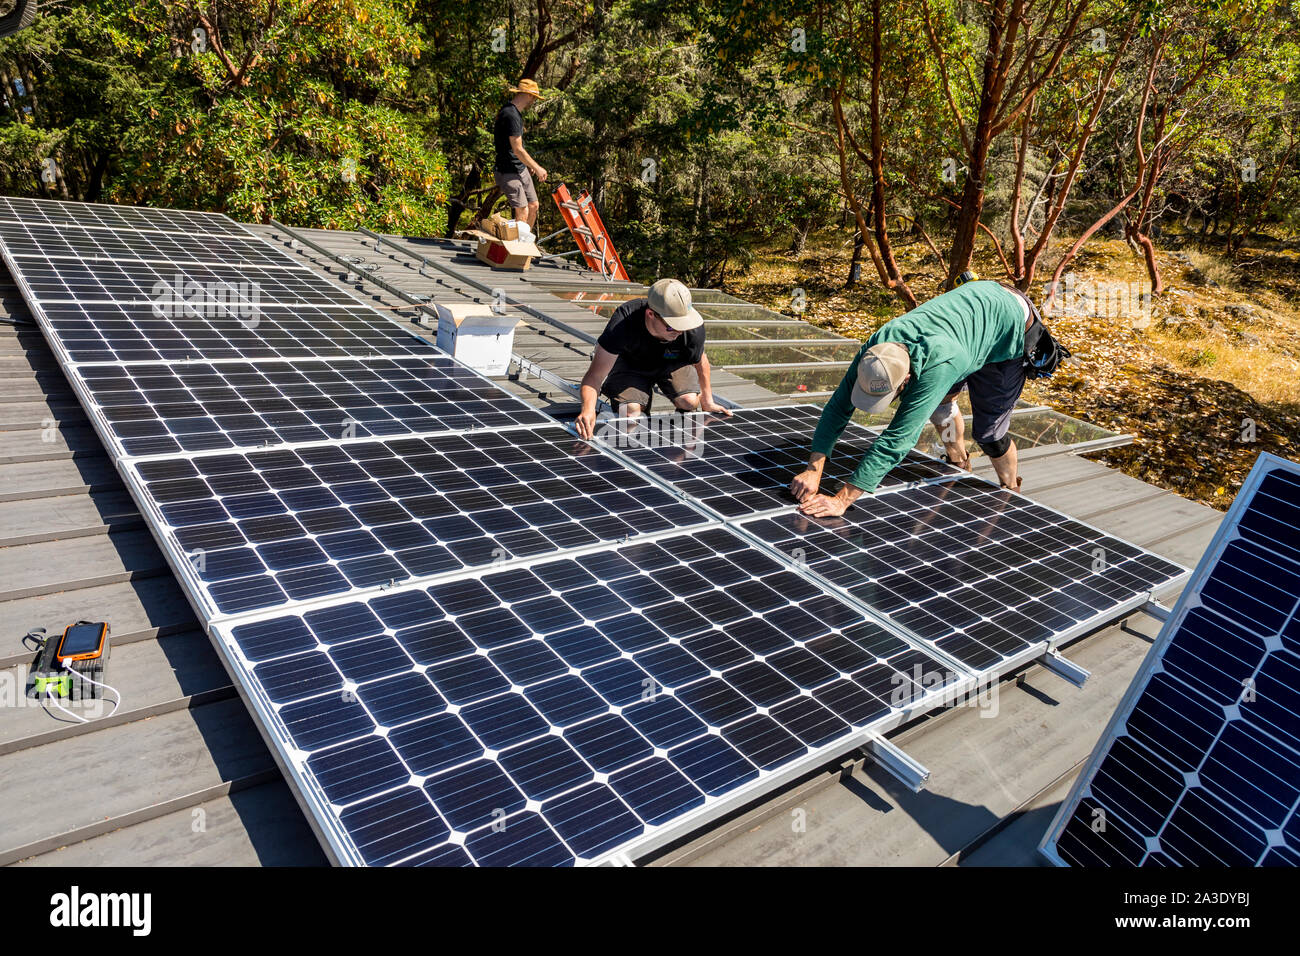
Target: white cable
(49, 694)
(67, 665)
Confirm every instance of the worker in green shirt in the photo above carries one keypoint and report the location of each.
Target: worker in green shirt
(981, 335)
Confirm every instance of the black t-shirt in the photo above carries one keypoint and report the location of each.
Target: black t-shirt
(627, 337)
(509, 123)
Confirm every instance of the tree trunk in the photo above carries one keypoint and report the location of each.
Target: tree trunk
(95, 184)
(800, 237)
(855, 264)
(892, 276)
(1133, 233)
(1017, 234)
(456, 208)
(29, 88)
(972, 193)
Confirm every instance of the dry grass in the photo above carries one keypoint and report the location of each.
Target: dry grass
(1211, 270)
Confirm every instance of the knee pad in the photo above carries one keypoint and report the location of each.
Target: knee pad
(998, 448)
(944, 413)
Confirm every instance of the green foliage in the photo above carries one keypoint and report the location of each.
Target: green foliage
(703, 130)
(258, 108)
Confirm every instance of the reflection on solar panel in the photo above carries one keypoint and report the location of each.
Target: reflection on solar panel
(258, 529)
(77, 242)
(165, 409)
(42, 211)
(742, 465)
(984, 574)
(563, 711)
(112, 332)
(1200, 765)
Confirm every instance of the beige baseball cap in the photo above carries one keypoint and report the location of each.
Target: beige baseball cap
(672, 302)
(880, 373)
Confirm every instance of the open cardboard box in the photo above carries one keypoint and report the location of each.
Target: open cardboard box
(476, 335)
(499, 244)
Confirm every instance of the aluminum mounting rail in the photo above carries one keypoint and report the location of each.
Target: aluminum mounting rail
(526, 366)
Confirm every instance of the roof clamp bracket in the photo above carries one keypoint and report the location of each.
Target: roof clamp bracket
(1064, 668)
(1157, 610)
(617, 859)
(898, 764)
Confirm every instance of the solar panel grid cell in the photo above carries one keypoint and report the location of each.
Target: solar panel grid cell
(527, 720)
(1201, 766)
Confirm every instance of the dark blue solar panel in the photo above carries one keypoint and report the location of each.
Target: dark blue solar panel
(187, 286)
(977, 572)
(28, 239)
(46, 212)
(1201, 765)
(125, 284)
(517, 717)
(262, 528)
(742, 465)
(126, 332)
(168, 409)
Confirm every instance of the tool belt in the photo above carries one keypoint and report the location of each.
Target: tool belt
(1043, 354)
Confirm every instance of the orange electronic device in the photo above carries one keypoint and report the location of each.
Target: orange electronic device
(82, 642)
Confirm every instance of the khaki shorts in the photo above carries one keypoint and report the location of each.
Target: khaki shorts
(518, 188)
(626, 386)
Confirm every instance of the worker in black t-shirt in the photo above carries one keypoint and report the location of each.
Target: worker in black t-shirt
(658, 340)
(513, 164)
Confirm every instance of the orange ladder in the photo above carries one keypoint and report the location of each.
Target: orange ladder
(584, 222)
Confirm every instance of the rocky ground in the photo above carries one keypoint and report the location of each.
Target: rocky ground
(1204, 376)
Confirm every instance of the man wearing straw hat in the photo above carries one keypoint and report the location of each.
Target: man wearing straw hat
(515, 169)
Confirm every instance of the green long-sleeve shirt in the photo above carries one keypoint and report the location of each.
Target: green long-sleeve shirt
(947, 338)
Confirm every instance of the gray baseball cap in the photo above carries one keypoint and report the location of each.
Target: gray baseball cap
(672, 302)
(880, 374)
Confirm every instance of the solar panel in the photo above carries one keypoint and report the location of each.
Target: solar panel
(258, 529)
(1200, 766)
(63, 213)
(75, 242)
(148, 283)
(571, 709)
(111, 332)
(742, 465)
(165, 409)
(985, 575)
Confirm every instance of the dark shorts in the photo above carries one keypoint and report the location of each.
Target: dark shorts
(518, 188)
(628, 386)
(994, 391)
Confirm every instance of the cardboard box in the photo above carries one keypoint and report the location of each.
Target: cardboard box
(500, 247)
(501, 228)
(476, 335)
